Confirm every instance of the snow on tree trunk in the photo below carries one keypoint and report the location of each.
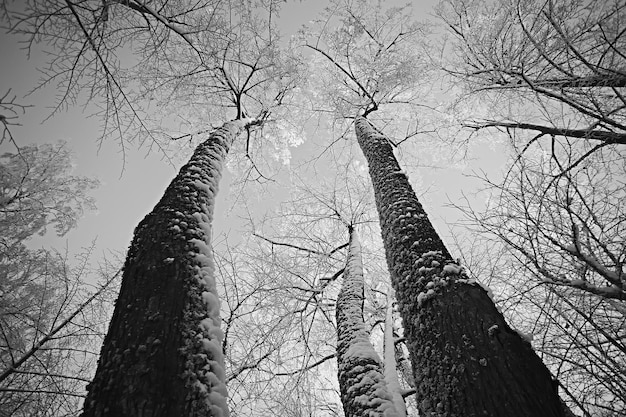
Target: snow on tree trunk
(466, 360)
(361, 380)
(163, 355)
(391, 371)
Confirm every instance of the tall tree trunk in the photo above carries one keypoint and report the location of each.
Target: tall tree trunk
(163, 355)
(361, 381)
(466, 360)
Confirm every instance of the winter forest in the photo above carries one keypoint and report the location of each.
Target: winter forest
(421, 208)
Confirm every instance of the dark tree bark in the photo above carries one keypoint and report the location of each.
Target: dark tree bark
(466, 360)
(162, 355)
(361, 380)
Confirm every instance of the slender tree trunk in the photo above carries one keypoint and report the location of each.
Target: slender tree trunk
(361, 381)
(162, 355)
(391, 367)
(466, 360)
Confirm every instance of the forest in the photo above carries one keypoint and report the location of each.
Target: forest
(421, 208)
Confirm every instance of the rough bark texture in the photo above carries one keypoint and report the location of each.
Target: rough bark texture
(162, 354)
(466, 360)
(361, 380)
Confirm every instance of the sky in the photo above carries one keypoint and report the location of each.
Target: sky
(129, 189)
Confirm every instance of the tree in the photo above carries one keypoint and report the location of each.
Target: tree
(558, 64)
(565, 234)
(566, 228)
(86, 38)
(361, 379)
(163, 352)
(223, 54)
(219, 61)
(52, 321)
(38, 191)
(466, 359)
(223, 50)
(553, 73)
(50, 315)
(274, 321)
(296, 257)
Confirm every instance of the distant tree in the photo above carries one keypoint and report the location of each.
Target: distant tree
(84, 39)
(37, 191)
(559, 65)
(296, 257)
(277, 315)
(395, 361)
(50, 316)
(361, 373)
(302, 253)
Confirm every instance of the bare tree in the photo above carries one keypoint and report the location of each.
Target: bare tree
(568, 228)
(37, 191)
(85, 38)
(52, 322)
(224, 51)
(163, 352)
(51, 317)
(361, 379)
(267, 315)
(393, 356)
(381, 51)
(292, 261)
(177, 322)
(559, 65)
(466, 359)
(276, 321)
(192, 58)
(566, 233)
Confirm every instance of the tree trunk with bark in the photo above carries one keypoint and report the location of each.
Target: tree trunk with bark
(361, 381)
(466, 360)
(163, 355)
